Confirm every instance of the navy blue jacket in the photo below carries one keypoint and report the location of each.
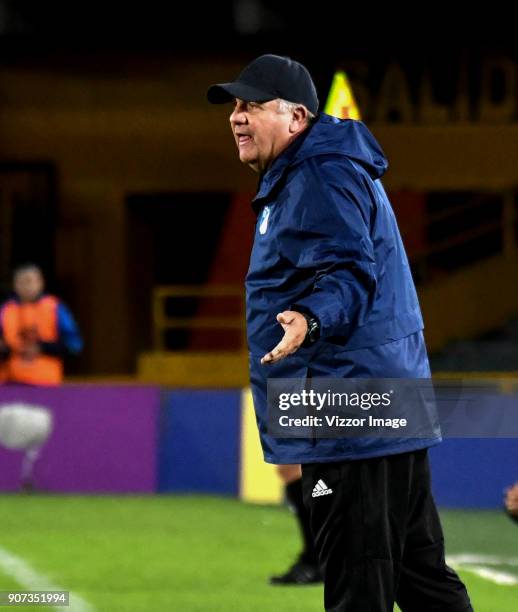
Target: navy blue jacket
(327, 242)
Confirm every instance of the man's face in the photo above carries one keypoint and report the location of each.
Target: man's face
(261, 132)
(28, 284)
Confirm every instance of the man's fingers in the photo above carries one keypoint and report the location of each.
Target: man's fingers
(282, 350)
(285, 318)
(275, 355)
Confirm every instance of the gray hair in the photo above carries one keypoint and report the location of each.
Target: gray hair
(288, 107)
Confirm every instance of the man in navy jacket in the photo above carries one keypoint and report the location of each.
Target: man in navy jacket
(330, 294)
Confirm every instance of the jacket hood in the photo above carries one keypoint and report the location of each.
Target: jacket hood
(328, 135)
(346, 137)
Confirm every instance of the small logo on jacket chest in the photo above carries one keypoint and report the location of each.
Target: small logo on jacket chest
(263, 224)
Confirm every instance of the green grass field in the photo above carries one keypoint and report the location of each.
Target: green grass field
(194, 554)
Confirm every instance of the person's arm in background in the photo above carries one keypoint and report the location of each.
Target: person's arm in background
(511, 502)
(69, 340)
(4, 347)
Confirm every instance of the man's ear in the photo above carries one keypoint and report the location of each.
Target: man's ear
(298, 120)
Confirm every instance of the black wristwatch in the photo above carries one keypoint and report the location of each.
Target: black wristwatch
(313, 333)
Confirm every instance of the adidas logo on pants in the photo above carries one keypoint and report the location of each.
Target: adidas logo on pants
(321, 489)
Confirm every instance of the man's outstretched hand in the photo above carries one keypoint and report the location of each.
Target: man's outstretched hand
(295, 327)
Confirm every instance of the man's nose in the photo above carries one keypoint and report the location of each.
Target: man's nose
(238, 115)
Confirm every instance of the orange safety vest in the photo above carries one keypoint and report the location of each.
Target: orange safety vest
(32, 321)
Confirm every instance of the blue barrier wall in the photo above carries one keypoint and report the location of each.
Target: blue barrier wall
(200, 446)
(473, 473)
(198, 450)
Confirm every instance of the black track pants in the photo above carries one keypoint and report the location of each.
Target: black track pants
(378, 536)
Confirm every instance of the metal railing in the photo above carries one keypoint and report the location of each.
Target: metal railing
(162, 322)
(506, 223)
(500, 230)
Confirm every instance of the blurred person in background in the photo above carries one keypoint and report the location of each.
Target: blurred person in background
(511, 502)
(37, 331)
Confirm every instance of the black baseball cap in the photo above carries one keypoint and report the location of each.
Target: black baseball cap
(266, 78)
